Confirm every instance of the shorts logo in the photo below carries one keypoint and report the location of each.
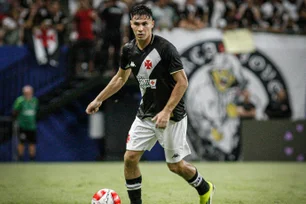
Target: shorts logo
(175, 155)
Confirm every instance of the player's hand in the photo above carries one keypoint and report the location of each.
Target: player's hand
(93, 107)
(161, 119)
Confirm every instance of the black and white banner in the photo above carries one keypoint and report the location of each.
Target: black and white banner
(46, 46)
(271, 77)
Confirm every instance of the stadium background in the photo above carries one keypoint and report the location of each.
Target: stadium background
(66, 133)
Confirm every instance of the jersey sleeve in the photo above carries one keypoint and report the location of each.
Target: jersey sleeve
(173, 57)
(124, 62)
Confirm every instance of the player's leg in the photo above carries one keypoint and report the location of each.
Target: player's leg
(31, 136)
(132, 175)
(141, 137)
(193, 177)
(20, 151)
(176, 148)
(22, 137)
(32, 151)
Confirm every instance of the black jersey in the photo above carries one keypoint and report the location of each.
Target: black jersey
(153, 68)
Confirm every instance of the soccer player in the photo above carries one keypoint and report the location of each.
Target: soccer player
(25, 109)
(161, 116)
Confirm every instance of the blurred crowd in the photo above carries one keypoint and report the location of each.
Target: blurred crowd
(94, 28)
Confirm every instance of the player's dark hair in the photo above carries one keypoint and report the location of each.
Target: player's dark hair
(140, 10)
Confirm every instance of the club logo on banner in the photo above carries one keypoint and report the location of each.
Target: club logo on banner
(223, 88)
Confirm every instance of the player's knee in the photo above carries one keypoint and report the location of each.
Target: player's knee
(131, 158)
(175, 167)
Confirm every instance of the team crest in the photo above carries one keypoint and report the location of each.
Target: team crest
(216, 79)
(148, 64)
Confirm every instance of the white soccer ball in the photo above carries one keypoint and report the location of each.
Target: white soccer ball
(105, 196)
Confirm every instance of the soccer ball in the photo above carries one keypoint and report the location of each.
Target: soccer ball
(105, 196)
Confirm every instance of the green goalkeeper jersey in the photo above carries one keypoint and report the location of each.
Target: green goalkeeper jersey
(27, 110)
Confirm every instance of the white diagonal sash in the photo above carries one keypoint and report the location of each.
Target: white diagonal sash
(144, 73)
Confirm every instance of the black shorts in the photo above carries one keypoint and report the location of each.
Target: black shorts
(27, 136)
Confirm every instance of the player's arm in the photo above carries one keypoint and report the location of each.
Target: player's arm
(113, 87)
(178, 91)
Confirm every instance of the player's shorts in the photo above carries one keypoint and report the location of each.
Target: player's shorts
(27, 136)
(143, 136)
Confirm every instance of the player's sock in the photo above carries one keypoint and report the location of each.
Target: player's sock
(32, 158)
(134, 190)
(198, 182)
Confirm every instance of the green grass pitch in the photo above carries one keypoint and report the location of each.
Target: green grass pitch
(236, 183)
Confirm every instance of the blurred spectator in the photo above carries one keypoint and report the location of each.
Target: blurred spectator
(73, 6)
(59, 19)
(272, 16)
(216, 12)
(25, 109)
(42, 11)
(291, 15)
(302, 17)
(18, 18)
(279, 105)
(114, 33)
(230, 21)
(193, 16)
(248, 15)
(10, 25)
(84, 48)
(27, 21)
(180, 4)
(164, 15)
(32, 17)
(222, 14)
